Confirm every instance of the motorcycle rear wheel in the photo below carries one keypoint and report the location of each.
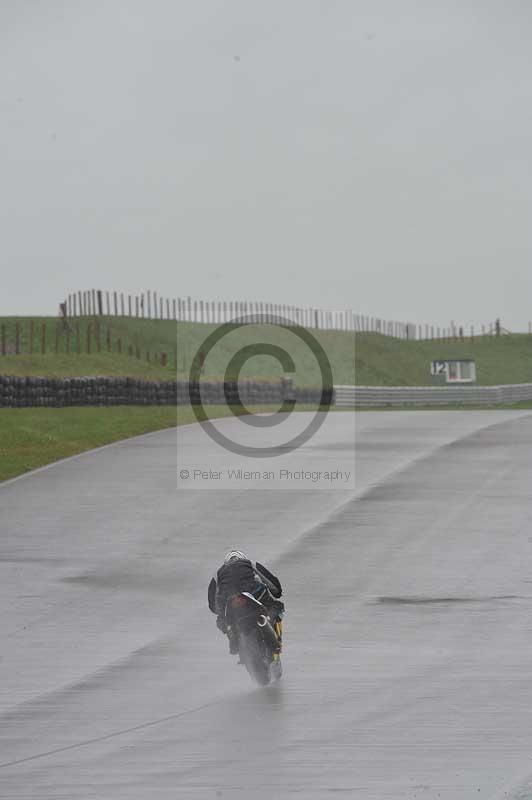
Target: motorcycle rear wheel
(251, 654)
(276, 670)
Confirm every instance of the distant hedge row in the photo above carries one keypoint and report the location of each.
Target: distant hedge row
(22, 392)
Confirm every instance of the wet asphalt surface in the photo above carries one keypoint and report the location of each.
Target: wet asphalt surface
(408, 634)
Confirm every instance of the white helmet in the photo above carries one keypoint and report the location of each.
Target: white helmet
(235, 555)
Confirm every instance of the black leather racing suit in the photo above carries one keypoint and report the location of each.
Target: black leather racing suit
(244, 576)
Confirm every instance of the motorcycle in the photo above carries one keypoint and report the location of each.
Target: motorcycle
(257, 637)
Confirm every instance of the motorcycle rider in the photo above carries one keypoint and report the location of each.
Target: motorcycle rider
(239, 574)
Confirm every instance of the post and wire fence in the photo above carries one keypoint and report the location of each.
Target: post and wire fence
(80, 336)
(86, 325)
(153, 305)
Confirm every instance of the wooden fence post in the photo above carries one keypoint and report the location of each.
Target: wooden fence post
(115, 298)
(108, 304)
(108, 338)
(100, 303)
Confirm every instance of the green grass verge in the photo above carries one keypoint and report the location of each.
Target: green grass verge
(33, 437)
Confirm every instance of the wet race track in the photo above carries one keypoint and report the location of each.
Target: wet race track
(408, 634)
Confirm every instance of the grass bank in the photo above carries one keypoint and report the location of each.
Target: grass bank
(115, 342)
(382, 361)
(133, 347)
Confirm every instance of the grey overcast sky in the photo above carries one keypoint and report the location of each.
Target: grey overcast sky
(365, 154)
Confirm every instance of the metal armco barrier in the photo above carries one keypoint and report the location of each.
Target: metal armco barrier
(20, 392)
(375, 396)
